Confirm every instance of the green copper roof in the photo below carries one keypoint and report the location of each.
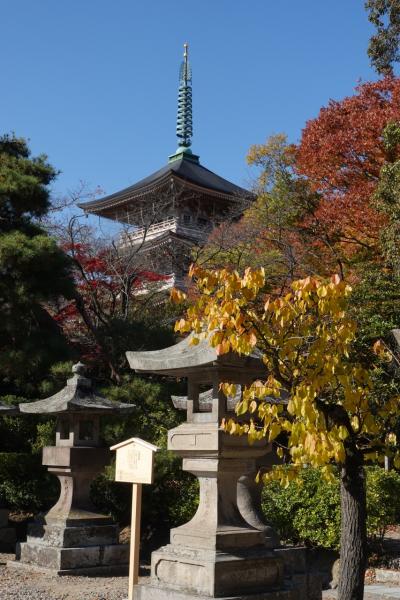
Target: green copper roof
(184, 121)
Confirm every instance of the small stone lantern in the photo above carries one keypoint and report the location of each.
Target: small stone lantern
(220, 553)
(7, 533)
(73, 538)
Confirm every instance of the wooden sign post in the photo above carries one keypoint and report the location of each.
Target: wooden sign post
(134, 464)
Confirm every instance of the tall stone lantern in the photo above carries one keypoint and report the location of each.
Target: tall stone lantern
(219, 553)
(72, 537)
(7, 533)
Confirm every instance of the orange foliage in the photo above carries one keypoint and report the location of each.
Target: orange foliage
(341, 153)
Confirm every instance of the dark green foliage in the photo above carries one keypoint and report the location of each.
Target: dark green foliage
(309, 512)
(136, 332)
(383, 47)
(154, 413)
(25, 484)
(33, 271)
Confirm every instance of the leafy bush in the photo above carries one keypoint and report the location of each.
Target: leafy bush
(308, 512)
(154, 413)
(383, 500)
(25, 484)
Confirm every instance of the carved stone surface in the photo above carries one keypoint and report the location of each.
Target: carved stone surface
(214, 573)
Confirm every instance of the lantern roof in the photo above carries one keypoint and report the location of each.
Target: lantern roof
(78, 396)
(185, 358)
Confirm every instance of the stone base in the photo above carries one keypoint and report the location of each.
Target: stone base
(72, 537)
(153, 592)
(74, 550)
(7, 539)
(71, 559)
(105, 571)
(216, 574)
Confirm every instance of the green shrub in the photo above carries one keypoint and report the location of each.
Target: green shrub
(25, 484)
(308, 512)
(383, 500)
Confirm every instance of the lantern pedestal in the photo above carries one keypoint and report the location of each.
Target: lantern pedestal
(72, 538)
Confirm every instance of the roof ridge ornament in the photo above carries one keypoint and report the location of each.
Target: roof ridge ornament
(184, 121)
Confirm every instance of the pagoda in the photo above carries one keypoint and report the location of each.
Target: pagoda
(175, 208)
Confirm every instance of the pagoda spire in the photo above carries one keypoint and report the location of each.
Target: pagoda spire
(184, 121)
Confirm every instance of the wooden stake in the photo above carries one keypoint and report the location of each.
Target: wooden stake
(135, 538)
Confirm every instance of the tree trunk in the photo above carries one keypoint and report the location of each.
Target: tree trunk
(353, 543)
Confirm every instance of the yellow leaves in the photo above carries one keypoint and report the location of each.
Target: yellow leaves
(381, 350)
(182, 325)
(391, 439)
(274, 431)
(280, 452)
(305, 339)
(223, 348)
(229, 389)
(177, 296)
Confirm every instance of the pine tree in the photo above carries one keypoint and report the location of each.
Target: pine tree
(33, 270)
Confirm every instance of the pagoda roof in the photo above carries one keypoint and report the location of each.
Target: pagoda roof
(185, 170)
(77, 396)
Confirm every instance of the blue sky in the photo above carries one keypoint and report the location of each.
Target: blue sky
(93, 83)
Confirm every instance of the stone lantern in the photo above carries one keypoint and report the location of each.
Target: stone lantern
(7, 533)
(219, 553)
(73, 538)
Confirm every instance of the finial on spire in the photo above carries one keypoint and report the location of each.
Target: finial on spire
(184, 124)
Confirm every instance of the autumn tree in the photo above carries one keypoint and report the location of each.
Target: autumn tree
(315, 211)
(269, 234)
(333, 416)
(383, 49)
(342, 153)
(117, 304)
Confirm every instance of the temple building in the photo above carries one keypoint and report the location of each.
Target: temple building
(175, 208)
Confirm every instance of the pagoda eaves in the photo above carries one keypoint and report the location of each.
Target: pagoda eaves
(183, 173)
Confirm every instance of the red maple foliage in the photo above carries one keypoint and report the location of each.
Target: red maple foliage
(109, 285)
(341, 153)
